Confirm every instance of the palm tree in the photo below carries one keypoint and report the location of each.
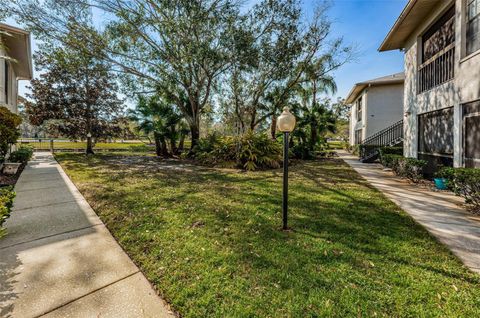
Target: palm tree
(157, 116)
(315, 118)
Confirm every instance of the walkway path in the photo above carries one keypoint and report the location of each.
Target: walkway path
(439, 212)
(59, 260)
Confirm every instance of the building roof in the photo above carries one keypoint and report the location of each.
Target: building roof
(412, 15)
(17, 43)
(393, 79)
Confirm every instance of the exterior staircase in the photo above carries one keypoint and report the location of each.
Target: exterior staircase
(388, 137)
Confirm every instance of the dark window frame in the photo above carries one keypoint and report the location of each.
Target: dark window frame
(359, 108)
(423, 145)
(472, 34)
(433, 31)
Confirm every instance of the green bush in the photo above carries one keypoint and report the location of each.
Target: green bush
(250, 151)
(464, 182)
(302, 151)
(413, 168)
(391, 151)
(23, 154)
(6, 203)
(410, 168)
(9, 132)
(390, 160)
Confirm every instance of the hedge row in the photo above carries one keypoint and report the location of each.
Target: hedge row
(410, 168)
(23, 154)
(6, 203)
(464, 182)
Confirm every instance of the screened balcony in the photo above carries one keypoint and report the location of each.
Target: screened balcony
(438, 53)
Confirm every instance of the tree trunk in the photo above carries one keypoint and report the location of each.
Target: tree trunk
(173, 140)
(181, 143)
(253, 118)
(89, 150)
(158, 146)
(195, 133)
(164, 147)
(273, 128)
(173, 146)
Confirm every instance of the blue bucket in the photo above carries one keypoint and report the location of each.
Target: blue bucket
(440, 183)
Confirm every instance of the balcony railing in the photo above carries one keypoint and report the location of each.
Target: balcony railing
(437, 70)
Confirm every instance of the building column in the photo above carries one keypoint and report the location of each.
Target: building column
(2, 73)
(457, 136)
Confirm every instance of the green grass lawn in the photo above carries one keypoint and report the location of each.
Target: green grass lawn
(336, 144)
(209, 241)
(70, 145)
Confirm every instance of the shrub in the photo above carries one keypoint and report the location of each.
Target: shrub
(6, 203)
(391, 151)
(8, 129)
(23, 154)
(250, 151)
(413, 168)
(464, 182)
(410, 168)
(302, 151)
(390, 160)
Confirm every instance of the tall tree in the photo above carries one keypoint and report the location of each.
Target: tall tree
(76, 92)
(177, 48)
(285, 49)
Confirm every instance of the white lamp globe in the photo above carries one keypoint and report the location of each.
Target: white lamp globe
(286, 121)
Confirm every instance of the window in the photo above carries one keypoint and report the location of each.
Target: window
(359, 109)
(440, 35)
(358, 136)
(7, 84)
(473, 26)
(435, 132)
(471, 135)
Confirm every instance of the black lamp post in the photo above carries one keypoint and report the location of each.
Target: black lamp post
(285, 123)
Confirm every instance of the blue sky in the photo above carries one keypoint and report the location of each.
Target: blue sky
(365, 23)
(362, 23)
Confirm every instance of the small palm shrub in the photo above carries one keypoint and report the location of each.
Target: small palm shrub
(6, 203)
(464, 182)
(250, 151)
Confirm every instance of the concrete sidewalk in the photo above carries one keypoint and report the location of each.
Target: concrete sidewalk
(59, 260)
(439, 212)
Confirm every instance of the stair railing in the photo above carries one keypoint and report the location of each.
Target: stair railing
(385, 137)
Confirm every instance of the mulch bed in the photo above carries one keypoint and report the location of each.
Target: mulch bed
(7, 180)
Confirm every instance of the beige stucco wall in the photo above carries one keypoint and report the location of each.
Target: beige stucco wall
(382, 107)
(463, 89)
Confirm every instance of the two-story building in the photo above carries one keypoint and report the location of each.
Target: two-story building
(441, 41)
(15, 63)
(375, 105)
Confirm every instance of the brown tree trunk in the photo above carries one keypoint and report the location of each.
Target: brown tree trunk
(89, 150)
(273, 128)
(195, 133)
(158, 146)
(173, 146)
(253, 118)
(164, 147)
(181, 143)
